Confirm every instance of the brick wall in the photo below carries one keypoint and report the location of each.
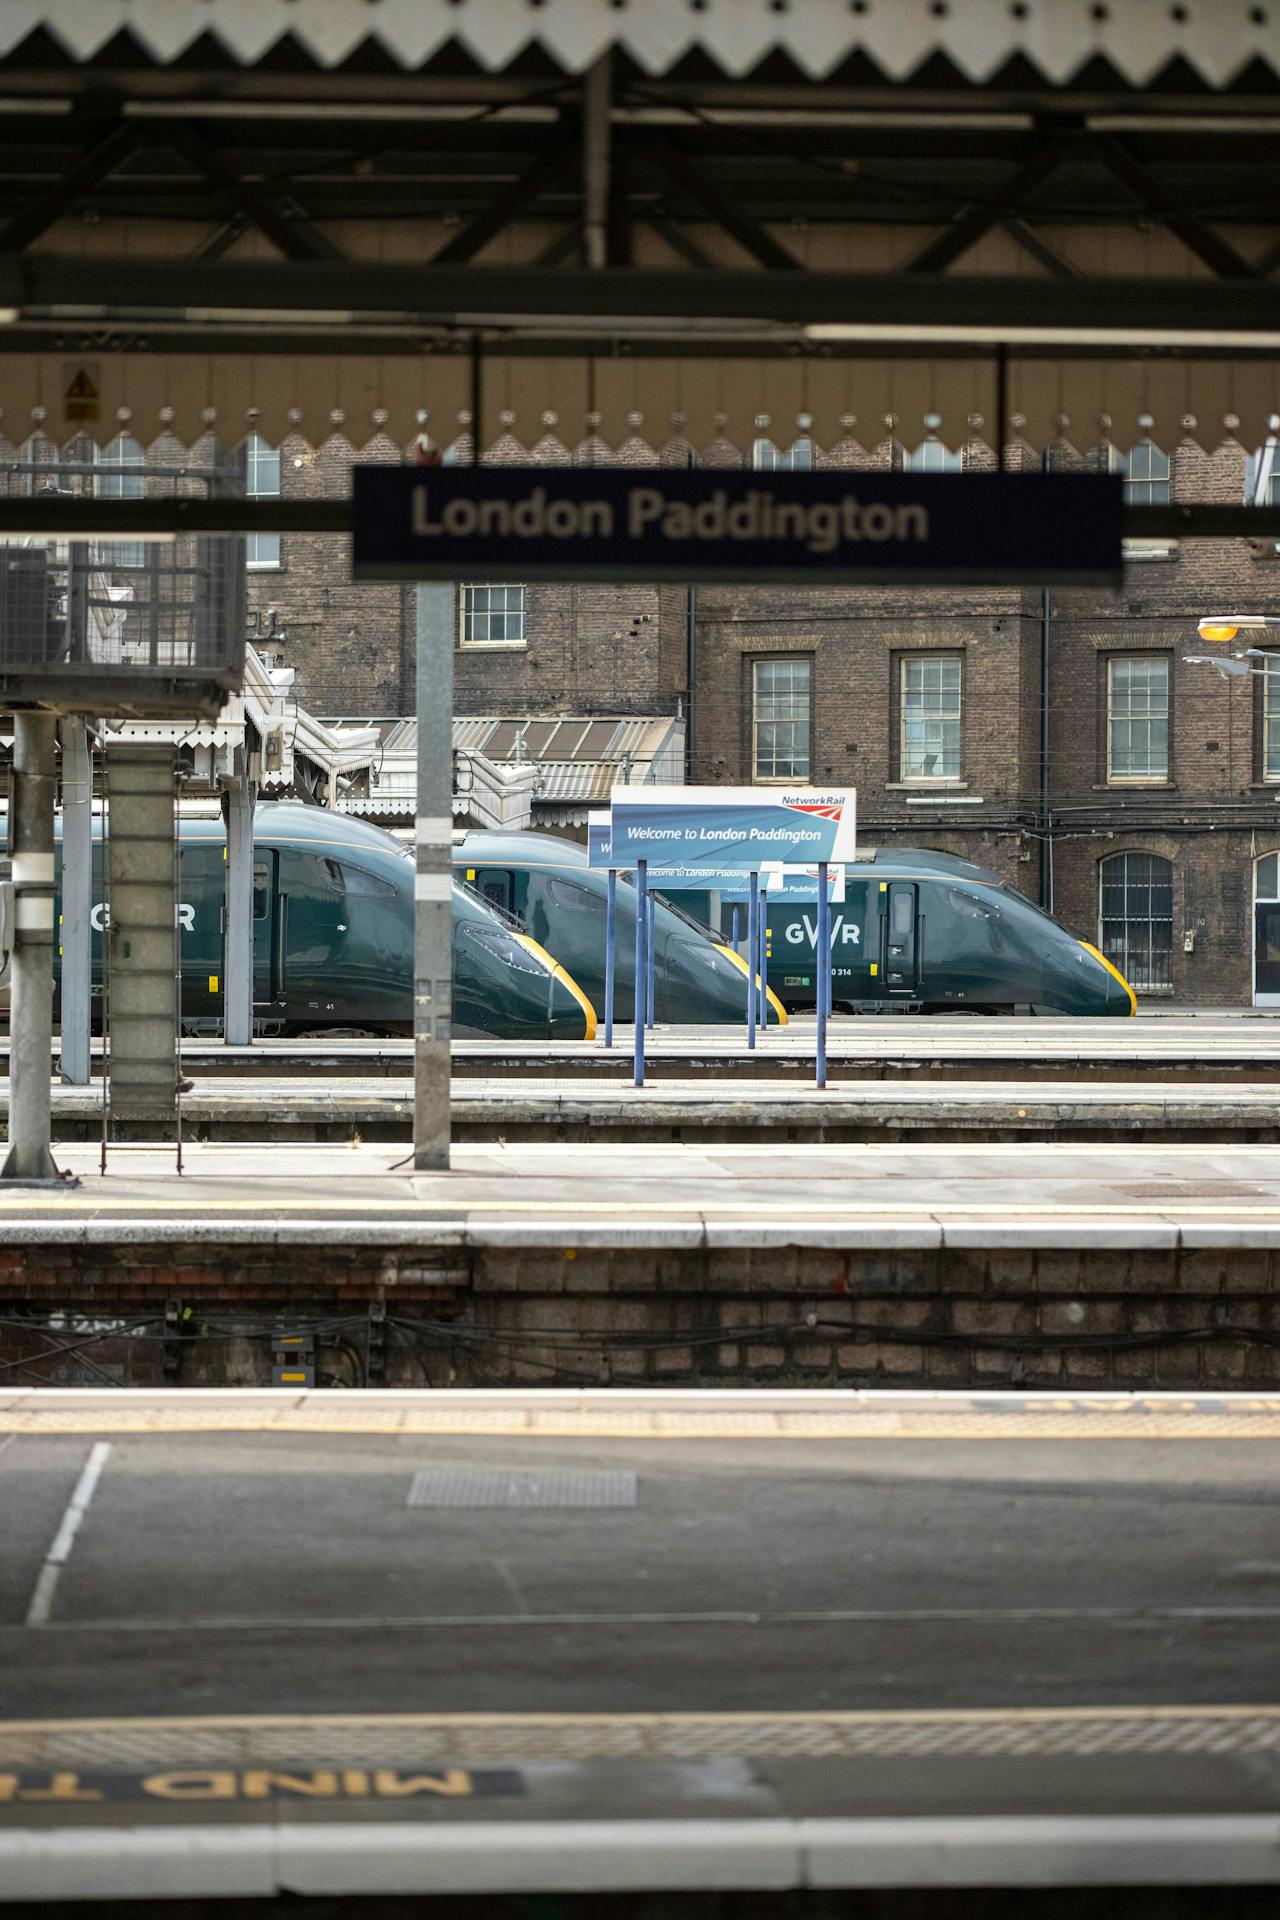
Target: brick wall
(954, 1317)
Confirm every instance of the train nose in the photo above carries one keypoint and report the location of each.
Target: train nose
(1118, 997)
(572, 1015)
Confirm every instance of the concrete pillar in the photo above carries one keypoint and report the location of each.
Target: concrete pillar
(433, 878)
(239, 797)
(75, 932)
(31, 969)
(142, 952)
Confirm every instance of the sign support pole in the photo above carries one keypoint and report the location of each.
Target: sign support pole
(610, 935)
(733, 938)
(75, 933)
(764, 958)
(649, 944)
(433, 879)
(642, 964)
(753, 921)
(824, 972)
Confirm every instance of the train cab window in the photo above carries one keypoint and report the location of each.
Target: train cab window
(362, 884)
(971, 906)
(341, 877)
(261, 891)
(502, 945)
(568, 894)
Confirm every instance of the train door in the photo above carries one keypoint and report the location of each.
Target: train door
(266, 983)
(901, 937)
(1266, 931)
(496, 885)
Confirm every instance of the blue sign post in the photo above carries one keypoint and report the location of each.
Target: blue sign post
(762, 965)
(823, 982)
(642, 965)
(753, 937)
(650, 943)
(610, 935)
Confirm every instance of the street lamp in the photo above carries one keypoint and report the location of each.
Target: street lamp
(1225, 626)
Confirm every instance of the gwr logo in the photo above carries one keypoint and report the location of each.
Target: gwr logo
(844, 933)
(184, 917)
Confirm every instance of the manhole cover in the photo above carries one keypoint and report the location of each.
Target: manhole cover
(457, 1487)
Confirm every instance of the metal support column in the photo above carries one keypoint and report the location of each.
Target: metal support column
(75, 934)
(596, 88)
(31, 968)
(239, 797)
(433, 879)
(142, 954)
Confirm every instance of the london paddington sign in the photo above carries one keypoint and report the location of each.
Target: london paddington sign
(617, 523)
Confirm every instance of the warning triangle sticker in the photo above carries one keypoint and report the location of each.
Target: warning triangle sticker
(82, 387)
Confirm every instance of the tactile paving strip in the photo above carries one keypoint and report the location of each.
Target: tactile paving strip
(410, 1740)
(461, 1487)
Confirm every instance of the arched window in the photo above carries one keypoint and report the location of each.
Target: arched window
(1266, 877)
(1135, 918)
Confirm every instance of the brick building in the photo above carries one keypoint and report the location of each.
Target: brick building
(1143, 815)
(1144, 812)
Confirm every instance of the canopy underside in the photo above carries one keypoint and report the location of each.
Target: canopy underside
(1135, 40)
(561, 407)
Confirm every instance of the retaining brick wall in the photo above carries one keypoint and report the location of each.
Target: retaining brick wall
(697, 1317)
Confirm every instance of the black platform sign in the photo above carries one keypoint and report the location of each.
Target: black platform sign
(592, 523)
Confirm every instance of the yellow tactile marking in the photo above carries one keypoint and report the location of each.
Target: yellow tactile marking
(1254, 1420)
(404, 1738)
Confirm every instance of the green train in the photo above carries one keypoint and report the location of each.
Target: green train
(916, 930)
(562, 901)
(936, 934)
(333, 936)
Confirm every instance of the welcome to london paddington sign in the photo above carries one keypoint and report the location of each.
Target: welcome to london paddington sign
(592, 523)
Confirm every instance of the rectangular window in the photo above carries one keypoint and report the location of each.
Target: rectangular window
(1146, 474)
(929, 739)
(932, 457)
(119, 477)
(491, 617)
(1138, 717)
(767, 457)
(781, 718)
(261, 482)
(1271, 717)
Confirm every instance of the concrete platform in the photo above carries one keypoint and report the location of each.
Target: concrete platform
(849, 1656)
(707, 1108)
(666, 1196)
(1175, 1045)
(1047, 1265)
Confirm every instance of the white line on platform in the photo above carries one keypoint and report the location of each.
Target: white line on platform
(56, 1558)
(566, 1856)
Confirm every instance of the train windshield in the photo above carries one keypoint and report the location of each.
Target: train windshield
(498, 942)
(686, 919)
